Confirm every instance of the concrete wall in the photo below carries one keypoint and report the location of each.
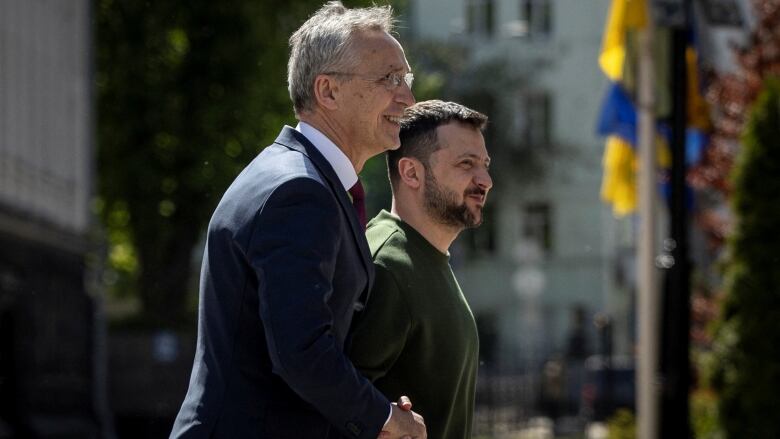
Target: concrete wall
(45, 120)
(49, 370)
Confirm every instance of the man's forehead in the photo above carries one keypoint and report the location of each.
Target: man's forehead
(460, 148)
(457, 130)
(381, 48)
(462, 142)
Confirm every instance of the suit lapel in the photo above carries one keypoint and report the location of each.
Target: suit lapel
(294, 140)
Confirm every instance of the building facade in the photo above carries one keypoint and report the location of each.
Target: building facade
(48, 368)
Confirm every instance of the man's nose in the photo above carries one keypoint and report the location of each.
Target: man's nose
(483, 179)
(404, 95)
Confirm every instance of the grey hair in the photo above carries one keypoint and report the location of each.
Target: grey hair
(324, 42)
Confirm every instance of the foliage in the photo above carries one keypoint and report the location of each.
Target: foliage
(622, 425)
(730, 95)
(187, 94)
(704, 415)
(748, 340)
(703, 398)
(704, 419)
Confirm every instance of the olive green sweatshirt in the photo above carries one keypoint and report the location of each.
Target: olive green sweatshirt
(417, 335)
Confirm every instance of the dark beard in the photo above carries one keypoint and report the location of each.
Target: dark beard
(441, 204)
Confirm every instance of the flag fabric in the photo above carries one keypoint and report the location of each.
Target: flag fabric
(618, 118)
(698, 110)
(618, 115)
(619, 184)
(624, 15)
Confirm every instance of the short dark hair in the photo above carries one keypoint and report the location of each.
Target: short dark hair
(418, 130)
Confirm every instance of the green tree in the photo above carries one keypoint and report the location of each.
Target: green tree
(748, 340)
(187, 93)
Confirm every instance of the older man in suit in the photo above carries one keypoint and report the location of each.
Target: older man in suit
(286, 263)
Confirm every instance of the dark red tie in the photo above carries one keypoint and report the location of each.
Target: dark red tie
(359, 201)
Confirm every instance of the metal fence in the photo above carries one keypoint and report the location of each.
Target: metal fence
(532, 402)
(505, 403)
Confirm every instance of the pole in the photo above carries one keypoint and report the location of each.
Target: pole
(647, 288)
(675, 365)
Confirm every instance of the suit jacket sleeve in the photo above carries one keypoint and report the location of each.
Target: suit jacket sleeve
(293, 251)
(382, 329)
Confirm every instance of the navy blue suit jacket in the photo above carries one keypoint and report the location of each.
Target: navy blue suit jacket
(285, 265)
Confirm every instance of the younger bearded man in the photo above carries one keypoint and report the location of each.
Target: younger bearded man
(440, 180)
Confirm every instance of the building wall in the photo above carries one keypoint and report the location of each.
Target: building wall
(435, 19)
(531, 298)
(45, 121)
(48, 366)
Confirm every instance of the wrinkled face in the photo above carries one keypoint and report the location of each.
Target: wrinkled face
(372, 105)
(457, 179)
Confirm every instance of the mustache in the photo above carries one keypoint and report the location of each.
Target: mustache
(476, 191)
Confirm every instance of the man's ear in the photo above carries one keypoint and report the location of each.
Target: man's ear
(326, 90)
(411, 172)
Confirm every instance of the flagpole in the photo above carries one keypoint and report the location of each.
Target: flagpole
(647, 289)
(676, 308)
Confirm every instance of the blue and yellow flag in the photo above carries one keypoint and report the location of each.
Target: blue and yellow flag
(618, 113)
(624, 15)
(618, 118)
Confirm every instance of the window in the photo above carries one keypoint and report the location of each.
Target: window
(479, 17)
(537, 16)
(532, 120)
(537, 225)
(722, 13)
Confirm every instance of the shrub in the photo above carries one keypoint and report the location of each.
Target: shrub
(748, 340)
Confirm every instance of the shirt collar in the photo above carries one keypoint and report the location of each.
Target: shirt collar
(332, 153)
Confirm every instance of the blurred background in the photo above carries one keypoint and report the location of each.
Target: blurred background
(122, 122)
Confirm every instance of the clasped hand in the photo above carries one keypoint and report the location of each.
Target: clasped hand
(404, 423)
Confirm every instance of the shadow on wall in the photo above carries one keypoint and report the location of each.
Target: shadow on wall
(47, 369)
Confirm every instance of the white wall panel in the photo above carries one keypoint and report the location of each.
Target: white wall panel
(45, 116)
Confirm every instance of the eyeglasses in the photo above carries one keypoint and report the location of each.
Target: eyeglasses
(391, 81)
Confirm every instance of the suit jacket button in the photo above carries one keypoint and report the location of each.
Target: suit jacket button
(354, 429)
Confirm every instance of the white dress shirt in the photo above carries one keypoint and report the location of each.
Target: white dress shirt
(332, 153)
